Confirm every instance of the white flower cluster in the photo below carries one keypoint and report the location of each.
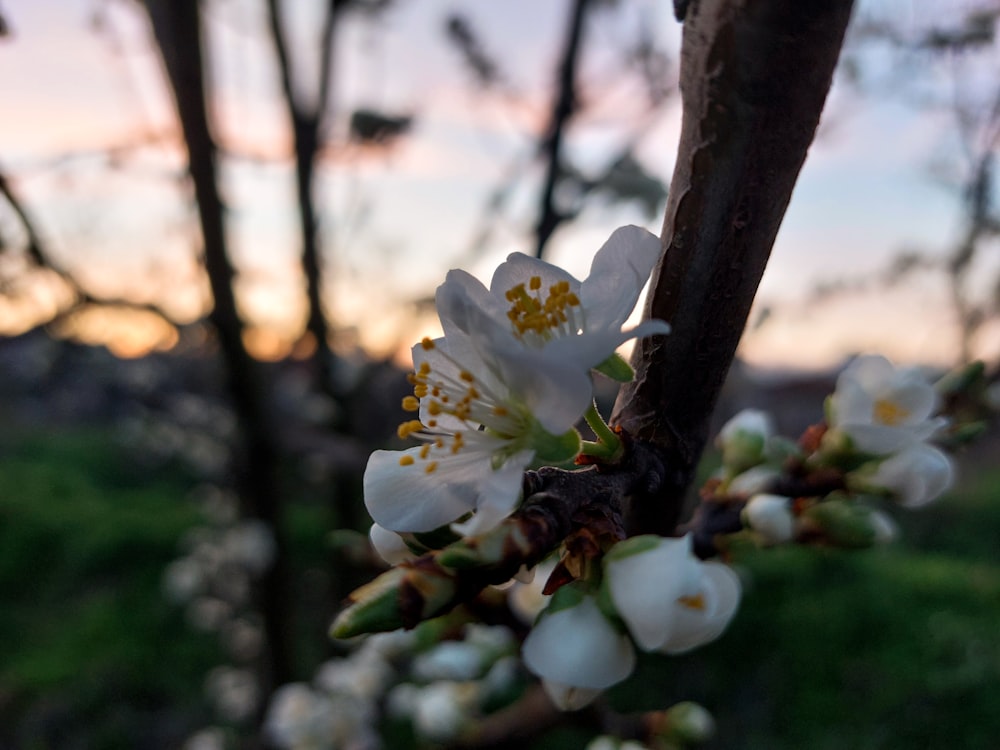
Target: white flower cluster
(504, 387)
(888, 413)
(656, 595)
(879, 421)
(339, 710)
(450, 684)
(440, 691)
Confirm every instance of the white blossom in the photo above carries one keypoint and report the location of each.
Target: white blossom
(545, 308)
(670, 601)
(915, 476)
(487, 410)
(577, 649)
(442, 709)
(883, 409)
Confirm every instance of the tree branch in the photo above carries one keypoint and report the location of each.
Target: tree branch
(551, 146)
(754, 78)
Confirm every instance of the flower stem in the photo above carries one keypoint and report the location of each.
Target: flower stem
(609, 445)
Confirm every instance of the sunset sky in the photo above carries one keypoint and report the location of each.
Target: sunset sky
(80, 78)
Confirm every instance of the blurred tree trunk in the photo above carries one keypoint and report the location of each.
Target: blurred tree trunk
(754, 78)
(177, 27)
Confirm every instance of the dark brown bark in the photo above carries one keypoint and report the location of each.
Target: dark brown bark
(565, 105)
(177, 27)
(754, 78)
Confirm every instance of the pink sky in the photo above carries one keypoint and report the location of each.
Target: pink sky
(864, 193)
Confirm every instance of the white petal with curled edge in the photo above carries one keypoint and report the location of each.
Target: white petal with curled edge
(579, 647)
(499, 494)
(389, 545)
(916, 476)
(589, 349)
(467, 308)
(407, 498)
(618, 273)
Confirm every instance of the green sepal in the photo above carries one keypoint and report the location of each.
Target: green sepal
(844, 523)
(375, 608)
(634, 545)
(616, 368)
(551, 448)
(566, 597)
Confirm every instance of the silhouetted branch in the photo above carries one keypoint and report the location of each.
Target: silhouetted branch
(551, 216)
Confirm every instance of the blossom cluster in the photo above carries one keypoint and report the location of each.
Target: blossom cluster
(439, 690)
(503, 389)
(654, 595)
(875, 443)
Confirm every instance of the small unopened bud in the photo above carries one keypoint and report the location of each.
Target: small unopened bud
(375, 607)
(844, 523)
(771, 517)
(743, 440)
(687, 723)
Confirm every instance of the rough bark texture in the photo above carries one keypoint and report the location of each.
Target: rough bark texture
(754, 78)
(176, 25)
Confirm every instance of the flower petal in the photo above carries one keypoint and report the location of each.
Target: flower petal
(499, 495)
(618, 273)
(519, 268)
(389, 545)
(556, 393)
(645, 588)
(589, 349)
(464, 304)
(579, 647)
(409, 498)
(695, 627)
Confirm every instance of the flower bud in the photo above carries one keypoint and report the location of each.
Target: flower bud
(915, 476)
(743, 440)
(687, 723)
(771, 517)
(844, 523)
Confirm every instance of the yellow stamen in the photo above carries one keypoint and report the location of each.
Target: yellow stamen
(889, 412)
(410, 403)
(431, 467)
(406, 460)
(693, 602)
(535, 283)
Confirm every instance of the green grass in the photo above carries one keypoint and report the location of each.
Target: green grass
(88, 647)
(889, 648)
